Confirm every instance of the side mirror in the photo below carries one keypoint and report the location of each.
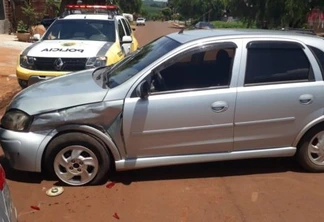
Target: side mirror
(127, 39)
(36, 37)
(143, 90)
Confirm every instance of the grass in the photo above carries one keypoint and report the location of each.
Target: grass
(233, 25)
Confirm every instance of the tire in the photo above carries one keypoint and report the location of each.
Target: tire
(310, 153)
(75, 171)
(23, 83)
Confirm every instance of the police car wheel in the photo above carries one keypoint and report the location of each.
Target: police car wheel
(23, 83)
(77, 159)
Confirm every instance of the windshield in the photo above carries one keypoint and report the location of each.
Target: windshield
(135, 63)
(85, 29)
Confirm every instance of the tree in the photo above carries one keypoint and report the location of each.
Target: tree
(130, 6)
(167, 12)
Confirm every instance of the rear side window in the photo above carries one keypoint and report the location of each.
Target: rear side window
(274, 62)
(319, 55)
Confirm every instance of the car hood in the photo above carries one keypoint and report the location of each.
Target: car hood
(68, 48)
(58, 93)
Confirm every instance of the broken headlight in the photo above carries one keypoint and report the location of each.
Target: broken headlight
(16, 120)
(96, 62)
(27, 62)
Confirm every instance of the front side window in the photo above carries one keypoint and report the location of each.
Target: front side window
(127, 28)
(138, 60)
(276, 62)
(78, 29)
(203, 67)
(121, 31)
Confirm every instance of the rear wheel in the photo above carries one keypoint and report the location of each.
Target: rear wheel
(77, 159)
(311, 151)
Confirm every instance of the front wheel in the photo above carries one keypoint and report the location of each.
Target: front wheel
(77, 159)
(310, 154)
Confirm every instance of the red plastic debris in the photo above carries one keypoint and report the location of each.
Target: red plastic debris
(110, 185)
(116, 216)
(34, 207)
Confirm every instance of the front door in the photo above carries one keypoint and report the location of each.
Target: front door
(191, 106)
(279, 95)
(122, 32)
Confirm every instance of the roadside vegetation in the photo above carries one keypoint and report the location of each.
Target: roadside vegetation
(270, 14)
(250, 13)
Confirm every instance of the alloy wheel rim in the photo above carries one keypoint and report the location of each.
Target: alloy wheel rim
(76, 165)
(316, 149)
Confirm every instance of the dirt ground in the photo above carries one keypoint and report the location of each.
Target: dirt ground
(249, 190)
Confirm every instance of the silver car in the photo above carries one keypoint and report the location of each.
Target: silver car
(8, 212)
(188, 97)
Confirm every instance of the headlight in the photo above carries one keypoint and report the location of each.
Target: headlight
(27, 62)
(16, 120)
(96, 62)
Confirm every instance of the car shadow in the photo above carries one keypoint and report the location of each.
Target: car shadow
(176, 172)
(20, 176)
(207, 170)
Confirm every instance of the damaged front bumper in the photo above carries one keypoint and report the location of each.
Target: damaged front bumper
(21, 149)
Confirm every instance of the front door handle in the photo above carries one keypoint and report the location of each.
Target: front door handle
(306, 99)
(219, 106)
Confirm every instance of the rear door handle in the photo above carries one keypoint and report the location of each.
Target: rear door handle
(306, 99)
(219, 106)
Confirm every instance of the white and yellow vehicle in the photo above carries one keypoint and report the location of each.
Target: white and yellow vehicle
(76, 42)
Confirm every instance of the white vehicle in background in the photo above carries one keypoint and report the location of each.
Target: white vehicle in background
(140, 21)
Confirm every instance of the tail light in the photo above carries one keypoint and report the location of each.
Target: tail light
(2, 178)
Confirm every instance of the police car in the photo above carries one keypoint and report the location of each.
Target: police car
(75, 42)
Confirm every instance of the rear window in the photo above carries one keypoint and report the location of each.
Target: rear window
(319, 55)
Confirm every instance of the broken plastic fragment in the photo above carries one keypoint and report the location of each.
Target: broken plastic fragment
(116, 216)
(34, 207)
(110, 185)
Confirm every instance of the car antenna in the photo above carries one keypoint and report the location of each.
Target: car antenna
(181, 31)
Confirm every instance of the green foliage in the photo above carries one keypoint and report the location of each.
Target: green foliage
(232, 25)
(273, 13)
(22, 27)
(167, 12)
(31, 16)
(54, 5)
(153, 9)
(130, 6)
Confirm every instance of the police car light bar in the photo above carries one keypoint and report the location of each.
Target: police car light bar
(91, 7)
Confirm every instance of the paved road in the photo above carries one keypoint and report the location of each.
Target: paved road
(250, 190)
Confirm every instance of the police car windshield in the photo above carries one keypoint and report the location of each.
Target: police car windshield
(81, 29)
(133, 64)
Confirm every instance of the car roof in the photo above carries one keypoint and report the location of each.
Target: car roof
(192, 35)
(92, 16)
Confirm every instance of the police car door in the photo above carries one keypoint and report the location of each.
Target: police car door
(122, 32)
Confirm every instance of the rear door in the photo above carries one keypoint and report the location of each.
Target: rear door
(130, 32)
(277, 95)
